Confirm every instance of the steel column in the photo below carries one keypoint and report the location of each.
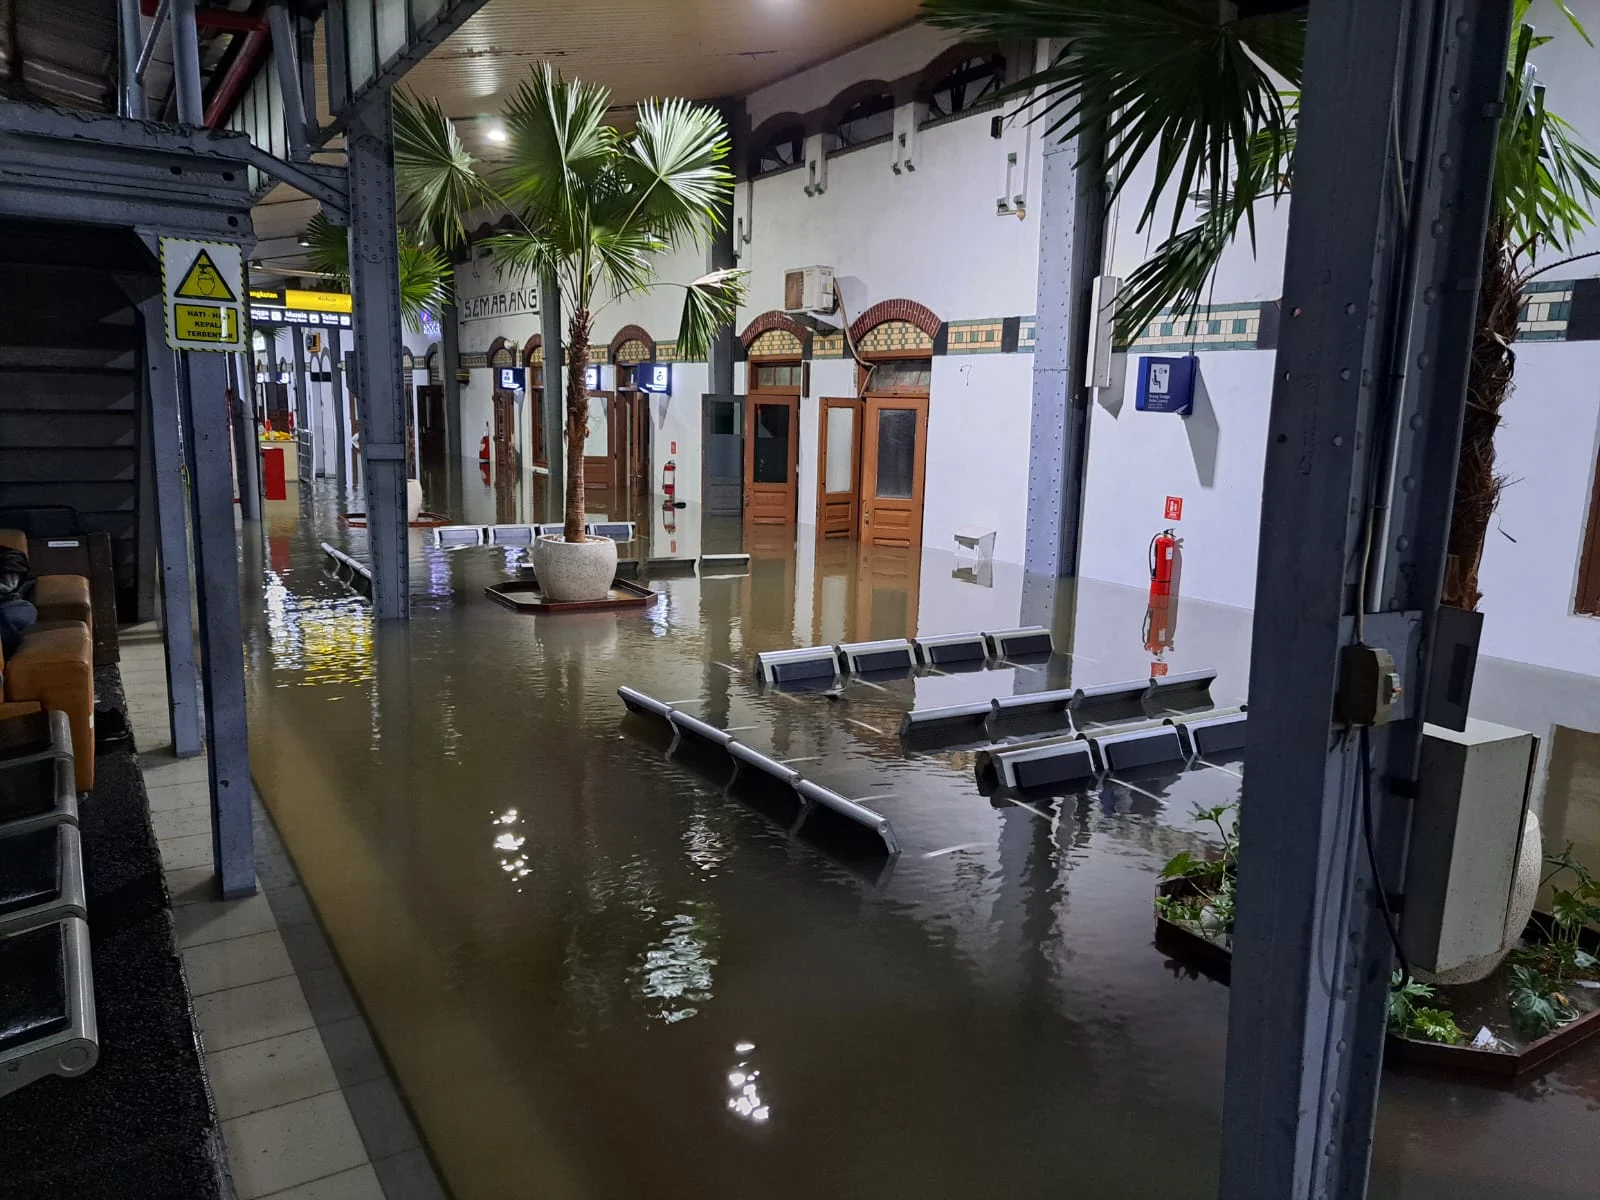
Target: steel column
(246, 439)
(186, 64)
(216, 559)
(132, 89)
(166, 453)
(449, 364)
(1378, 305)
(380, 396)
(721, 255)
(340, 431)
(147, 51)
(555, 395)
(304, 434)
(1072, 224)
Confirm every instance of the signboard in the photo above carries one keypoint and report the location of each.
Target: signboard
(202, 283)
(294, 306)
(591, 377)
(1166, 385)
(515, 302)
(510, 379)
(1174, 508)
(653, 377)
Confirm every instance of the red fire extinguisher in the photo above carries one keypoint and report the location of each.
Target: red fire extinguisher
(1166, 562)
(483, 446)
(669, 481)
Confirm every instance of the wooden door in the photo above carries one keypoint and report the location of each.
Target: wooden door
(430, 412)
(771, 458)
(597, 455)
(888, 591)
(893, 467)
(505, 434)
(839, 468)
(633, 419)
(722, 455)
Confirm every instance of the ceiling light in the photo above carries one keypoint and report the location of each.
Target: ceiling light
(496, 132)
(304, 241)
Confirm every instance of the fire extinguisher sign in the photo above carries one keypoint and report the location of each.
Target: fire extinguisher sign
(1174, 508)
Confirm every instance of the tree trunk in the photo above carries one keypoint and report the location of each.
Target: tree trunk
(577, 419)
(1488, 385)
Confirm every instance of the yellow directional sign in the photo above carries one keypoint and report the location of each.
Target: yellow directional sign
(202, 283)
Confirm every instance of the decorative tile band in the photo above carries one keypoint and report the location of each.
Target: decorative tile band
(975, 337)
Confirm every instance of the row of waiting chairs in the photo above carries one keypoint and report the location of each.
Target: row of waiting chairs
(523, 535)
(47, 1020)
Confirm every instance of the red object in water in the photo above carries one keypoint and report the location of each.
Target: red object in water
(483, 449)
(669, 480)
(272, 473)
(483, 468)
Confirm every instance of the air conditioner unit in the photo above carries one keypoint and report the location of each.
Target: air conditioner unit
(809, 290)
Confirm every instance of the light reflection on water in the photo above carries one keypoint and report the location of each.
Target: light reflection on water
(993, 1006)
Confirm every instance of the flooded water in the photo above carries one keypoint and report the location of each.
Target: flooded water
(597, 975)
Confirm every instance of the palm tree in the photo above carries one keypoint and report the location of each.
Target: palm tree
(588, 203)
(1177, 83)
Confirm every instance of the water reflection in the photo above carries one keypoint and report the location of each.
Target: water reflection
(998, 996)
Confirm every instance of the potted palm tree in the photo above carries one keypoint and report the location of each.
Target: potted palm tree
(593, 206)
(1198, 92)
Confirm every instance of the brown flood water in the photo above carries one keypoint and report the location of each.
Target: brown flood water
(597, 976)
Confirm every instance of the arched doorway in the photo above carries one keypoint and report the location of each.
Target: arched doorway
(775, 349)
(630, 413)
(504, 403)
(430, 411)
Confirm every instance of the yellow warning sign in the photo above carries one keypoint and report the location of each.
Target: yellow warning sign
(203, 281)
(206, 323)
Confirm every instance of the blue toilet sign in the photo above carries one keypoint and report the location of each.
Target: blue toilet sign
(1166, 385)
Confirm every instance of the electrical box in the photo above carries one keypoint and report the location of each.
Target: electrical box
(1166, 385)
(1016, 145)
(907, 120)
(816, 165)
(1102, 313)
(1466, 834)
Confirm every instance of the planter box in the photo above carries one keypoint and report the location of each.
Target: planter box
(523, 595)
(1214, 960)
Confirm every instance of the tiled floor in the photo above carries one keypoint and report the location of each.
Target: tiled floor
(307, 1108)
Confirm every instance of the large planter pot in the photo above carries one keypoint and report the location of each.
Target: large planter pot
(575, 571)
(413, 499)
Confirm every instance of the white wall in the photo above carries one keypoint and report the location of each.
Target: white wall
(1547, 448)
(1212, 460)
(888, 58)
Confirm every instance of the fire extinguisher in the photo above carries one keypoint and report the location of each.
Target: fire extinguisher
(1166, 562)
(669, 519)
(669, 481)
(483, 446)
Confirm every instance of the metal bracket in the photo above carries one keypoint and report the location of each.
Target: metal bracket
(328, 185)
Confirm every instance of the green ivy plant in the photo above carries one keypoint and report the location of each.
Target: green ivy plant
(1208, 902)
(1410, 1018)
(1537, 1003)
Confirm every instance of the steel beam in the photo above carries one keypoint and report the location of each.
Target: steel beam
(380, 395)
(721, 255)
(285, 60)
(163, 11)
(422, 42)
(1366, 345)
(186, 64)
(129, 75)
(166, 452)
(555, 395)
(216, 560)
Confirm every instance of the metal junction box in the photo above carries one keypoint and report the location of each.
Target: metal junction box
(1466, 830)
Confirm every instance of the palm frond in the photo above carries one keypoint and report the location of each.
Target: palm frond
(434, 173)
(425, 282)
(675, 164)
(559, 150)
(1171, 80)
(626, 258)
(518, 251)
(329, 249)
(710, 303)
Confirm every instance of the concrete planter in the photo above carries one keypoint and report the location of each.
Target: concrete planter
(576, 571)
(413, 499)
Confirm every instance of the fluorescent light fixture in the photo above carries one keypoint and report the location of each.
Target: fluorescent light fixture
(496, 132)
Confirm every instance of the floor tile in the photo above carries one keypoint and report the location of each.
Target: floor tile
(223, 919)
(359, 1184)
(308, 948)
(352, 1051)
(192, 885)
(161, 769)
(273, 1071)
(408, 1176)
(236, 962)
(382, 1119)
(178, 796)
(173, 823)
(328, 995)
(293, 1144)
(248, 1014)
(191, 851)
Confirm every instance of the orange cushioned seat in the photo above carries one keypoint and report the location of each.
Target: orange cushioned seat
(57, 597)
(55, 667)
